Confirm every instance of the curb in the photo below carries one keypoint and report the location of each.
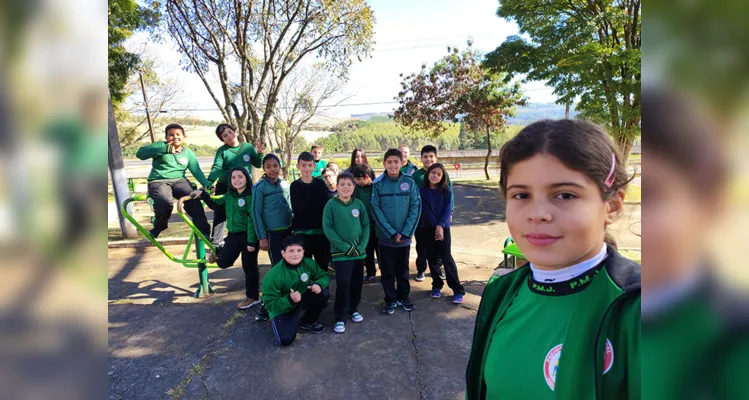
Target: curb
(139, 243)
(475, 186)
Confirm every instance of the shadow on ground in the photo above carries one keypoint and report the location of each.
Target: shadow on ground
(475, 205)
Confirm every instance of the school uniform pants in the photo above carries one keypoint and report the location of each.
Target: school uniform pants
(234, 245)
(373, 247)
(441, 249)
(219, 216)
(275, 239)
(163, 193)
(285, 326)
(421, 253)
(317, 247)
(349, 280)
(394, 269)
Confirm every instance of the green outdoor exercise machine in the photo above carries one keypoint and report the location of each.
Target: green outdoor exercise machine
(200, 242)
(511, 250)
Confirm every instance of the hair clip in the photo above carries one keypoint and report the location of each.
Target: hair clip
(610, 179)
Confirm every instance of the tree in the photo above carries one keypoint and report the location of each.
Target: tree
(254, 46)
(298, 101)
(457, 85)
(126, 17)
(586, 50)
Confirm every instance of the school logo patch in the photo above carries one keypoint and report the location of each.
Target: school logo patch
(182, 161)
(246, 158)
(355, 213)
(551, 362)
(405, 186)
(304, 277)
(241, 202)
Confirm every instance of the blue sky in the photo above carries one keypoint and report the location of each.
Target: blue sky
(407, 34)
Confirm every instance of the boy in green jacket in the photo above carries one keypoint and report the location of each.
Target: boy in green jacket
(242, 238)
(346, 224)
(295, 284)
(396, 205)
(363, 177)
(229, 156)
(167, 179)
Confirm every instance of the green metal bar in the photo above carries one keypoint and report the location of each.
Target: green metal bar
(507, 242)
(205, 286)
(187, 248)
(188, 221)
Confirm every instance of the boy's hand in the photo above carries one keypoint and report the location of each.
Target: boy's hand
(295, 296)
(315, 288)
(195, 194)
(264, 244)
(250, 249)
(398, 238)
(259, 146)
(439, 233)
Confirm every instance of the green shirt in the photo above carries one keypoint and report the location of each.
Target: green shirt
(409, 168)
(238, 211)
(319, 166)
(346, 225)
(167, 165)
(364, 194)
(283, 277)
(228, 158)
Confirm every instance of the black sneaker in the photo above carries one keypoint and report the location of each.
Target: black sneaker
(369, 279)
(420, 276)
(262, 314)
(315, 327)
(390, 308)
(407, 305)
(154, 233)
(442, 273)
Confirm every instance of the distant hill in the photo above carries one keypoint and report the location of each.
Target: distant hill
(525, 115)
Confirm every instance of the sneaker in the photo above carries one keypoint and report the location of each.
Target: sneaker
(247, 303)
(420, 276)
(340, 327)
(390, 308)
(317, 328)
(369, 279)
(407, 305)
(356, 317)
(436, 293)
(442, 273)
(457, 298)
(211, 257)
(154, 233)
(262, 314)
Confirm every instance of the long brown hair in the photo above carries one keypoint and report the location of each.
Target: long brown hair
(442, 185)
(353, 157)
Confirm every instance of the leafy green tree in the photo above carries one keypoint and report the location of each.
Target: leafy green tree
(586, 50)
(125, 18)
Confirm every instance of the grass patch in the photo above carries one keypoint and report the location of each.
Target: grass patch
(178, 391)
(492, 183)
(634, 193)
(233, 319)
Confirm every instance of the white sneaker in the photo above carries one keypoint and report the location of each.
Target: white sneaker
(356, 317)
(339, 327)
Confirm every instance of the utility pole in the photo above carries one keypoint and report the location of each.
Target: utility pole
(119, 181)
(145, 101)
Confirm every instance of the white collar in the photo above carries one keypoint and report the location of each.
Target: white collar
(567, 273)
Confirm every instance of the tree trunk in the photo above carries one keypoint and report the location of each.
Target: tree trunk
(488, 153)
(567, 111)
(625, 145)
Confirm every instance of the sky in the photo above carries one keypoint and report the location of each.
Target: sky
(407, 34)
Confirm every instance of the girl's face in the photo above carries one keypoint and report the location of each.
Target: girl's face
(271, 169)
(555, 214)
(345, 188)
(678, 223)
(238, 180)
(229, 137)
(435, 176)
(359, 158)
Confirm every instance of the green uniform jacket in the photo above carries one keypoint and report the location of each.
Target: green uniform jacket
(346, 225)
(283, 277)
(228, 158)
(409, 168)
(419, 177)
(167, 165)
(319, 166)
(396, 205)
(238, 212)
(364, 194)
(271, 206)
(586, 336)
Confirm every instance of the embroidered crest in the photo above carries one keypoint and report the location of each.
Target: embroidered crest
(551, 362)
(246, 158)
(304, 277)
(405, 186)
(182, 160)
(241, 202)
(355, 213)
